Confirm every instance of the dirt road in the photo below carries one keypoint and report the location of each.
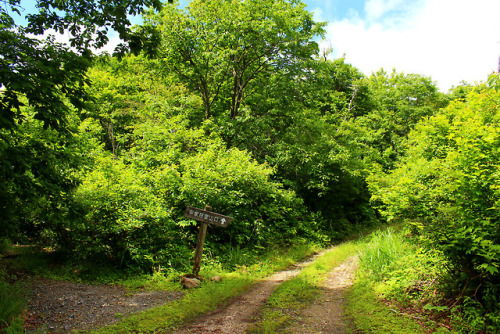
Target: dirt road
(323, 316)
(59, 307)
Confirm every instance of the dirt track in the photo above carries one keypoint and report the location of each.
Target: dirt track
(323, 316)
(59, 307)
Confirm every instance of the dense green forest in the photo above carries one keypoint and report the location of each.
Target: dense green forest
(230, 104)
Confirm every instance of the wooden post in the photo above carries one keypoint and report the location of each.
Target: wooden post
(199, 246)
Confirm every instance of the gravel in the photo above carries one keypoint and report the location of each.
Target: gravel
(60, 307)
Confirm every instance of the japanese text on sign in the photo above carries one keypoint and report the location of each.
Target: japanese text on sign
(207, 217)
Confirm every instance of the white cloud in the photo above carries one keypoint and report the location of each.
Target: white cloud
(449, 40)
(64, 38)
(318, 14)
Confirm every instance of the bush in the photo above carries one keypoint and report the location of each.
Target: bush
(447, 188)
(122, 220)
(231, 183)
(132, 214)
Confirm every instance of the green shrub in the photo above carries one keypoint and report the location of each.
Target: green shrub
(122, 221)
(447, 187)
(233, 184)
(132, 214)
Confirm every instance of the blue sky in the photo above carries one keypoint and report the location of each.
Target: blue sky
(449, 40)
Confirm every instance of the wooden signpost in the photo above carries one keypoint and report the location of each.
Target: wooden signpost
(205, 217)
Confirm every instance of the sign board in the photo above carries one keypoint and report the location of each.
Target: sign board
(208, 217)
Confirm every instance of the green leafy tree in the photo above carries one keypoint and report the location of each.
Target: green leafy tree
(303, 125)
(42, 82)
(37, 174)
(47, 73)
(218, 48)
(400, 101)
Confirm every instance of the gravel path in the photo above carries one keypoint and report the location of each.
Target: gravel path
(59, 307)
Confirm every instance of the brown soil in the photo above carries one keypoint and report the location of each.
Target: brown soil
(59, 307)
(325, 314)
(239, 313)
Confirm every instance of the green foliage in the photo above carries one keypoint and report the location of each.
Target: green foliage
(133, 99)
(122, 220)
(219, 48)
(230, 182)
(447, 187)
(47, 73)
(49, 80)
(472, 317)
(383, 248)
(304, 126)
(12, 303)
(89, 21)
(36, 177)
(399, 101)
(129, 207)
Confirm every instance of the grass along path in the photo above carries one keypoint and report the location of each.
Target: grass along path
(209, 296)
(295, 300)
(237, 316)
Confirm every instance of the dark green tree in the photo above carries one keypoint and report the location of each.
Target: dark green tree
(400, 101)
(42, 83)
(303, 125)
(48, 74)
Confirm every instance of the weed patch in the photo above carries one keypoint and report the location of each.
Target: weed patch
(12, 303)
(392, 269)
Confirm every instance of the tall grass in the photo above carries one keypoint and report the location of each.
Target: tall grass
(404, 275)
(379, 254)
(400, 269)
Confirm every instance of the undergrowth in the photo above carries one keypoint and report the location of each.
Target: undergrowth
(399, 283)
(12, 302)
(395, 280)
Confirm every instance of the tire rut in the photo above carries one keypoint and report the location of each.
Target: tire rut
(325, 314)
(237, 316)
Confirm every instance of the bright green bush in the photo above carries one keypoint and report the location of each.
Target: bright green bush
(447, 187)
(232, 183)
(122, 220)
(131, 211)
